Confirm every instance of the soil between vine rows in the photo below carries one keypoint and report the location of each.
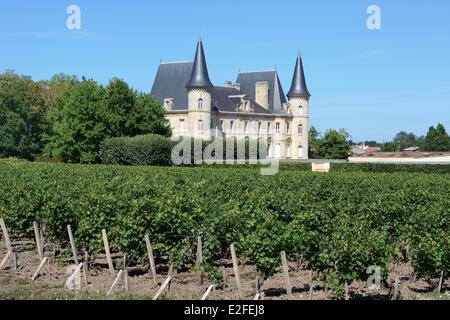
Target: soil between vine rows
(186, 285)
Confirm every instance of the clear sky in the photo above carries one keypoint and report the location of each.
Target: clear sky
(373, 83)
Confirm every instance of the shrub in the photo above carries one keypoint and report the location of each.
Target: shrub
(150, 149)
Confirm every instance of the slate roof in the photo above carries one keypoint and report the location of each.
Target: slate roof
(173, 80)
(223, 103)
(247, 80)
(170, 82)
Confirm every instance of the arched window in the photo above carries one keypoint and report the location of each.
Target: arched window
(300, 129)
(200, 104)
(200, 126)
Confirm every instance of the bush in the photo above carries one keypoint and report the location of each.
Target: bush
(143, 150)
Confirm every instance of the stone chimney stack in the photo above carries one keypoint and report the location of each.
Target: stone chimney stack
(262, 94)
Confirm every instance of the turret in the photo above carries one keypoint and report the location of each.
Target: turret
(199, 89)
(299, 103)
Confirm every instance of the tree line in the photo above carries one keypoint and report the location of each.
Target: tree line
(67, 118)
(436, 140)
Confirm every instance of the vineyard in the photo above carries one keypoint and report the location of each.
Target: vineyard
(336, 225)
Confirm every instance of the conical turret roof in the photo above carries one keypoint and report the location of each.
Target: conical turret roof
(199, 76)
(298, 86)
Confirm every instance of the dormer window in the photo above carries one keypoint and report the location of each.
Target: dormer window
(168, 104)
(200, 104)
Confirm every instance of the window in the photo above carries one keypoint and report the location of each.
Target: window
(181, 125)
(277, 127)
(246, 126)
(259, 127)
(288, 127)
(300, 129)
(288, 150)
(278, 151)
(268, 127)
(269, 150)
(299, 152)
(200, 126)
(221, 126)
(231, 126)
(200, 104)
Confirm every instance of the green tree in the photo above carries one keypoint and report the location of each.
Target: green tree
(85, 113)
(388, 147)
(404, 140)
(21, 116)
(314, 141)
(334, 145)
(79, 123)
(436, 139)
(149, 116)
(131, 113)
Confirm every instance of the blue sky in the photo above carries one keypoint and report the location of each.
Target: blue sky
(373, 83)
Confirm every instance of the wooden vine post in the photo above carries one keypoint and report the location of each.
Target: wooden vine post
(108, 253)
(205, 295)
(287, 281)
(119, 275)
(151, 258)
(199, 258)
(10, 252)
(125, 272)
(161, 289)
(38, 238)
(38, 270)
(72, 244)
(236, 271)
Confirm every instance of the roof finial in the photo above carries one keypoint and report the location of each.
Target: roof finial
(200, 37)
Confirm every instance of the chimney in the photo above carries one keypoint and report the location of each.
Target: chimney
(229, 84)
(237, 86)
(262, 94)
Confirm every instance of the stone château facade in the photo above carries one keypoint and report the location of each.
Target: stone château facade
(253, 107)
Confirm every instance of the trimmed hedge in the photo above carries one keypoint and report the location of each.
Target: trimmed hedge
(157, 150)
(390, 167)
(149, 149)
